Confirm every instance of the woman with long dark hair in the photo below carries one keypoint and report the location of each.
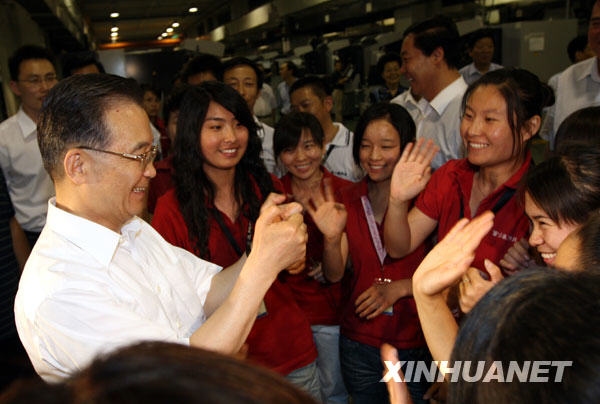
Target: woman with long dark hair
(220, 184)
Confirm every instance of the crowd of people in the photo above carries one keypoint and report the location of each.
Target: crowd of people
(426, 234)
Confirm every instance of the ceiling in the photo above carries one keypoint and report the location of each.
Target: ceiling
(144, 20)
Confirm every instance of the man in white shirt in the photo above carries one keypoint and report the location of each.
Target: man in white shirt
(415, 105)
(578, 86)
(481, 50)
(246, 78)
(100, 277)
(32, 75)
(429, 59)
(288, 72)
(311, 94)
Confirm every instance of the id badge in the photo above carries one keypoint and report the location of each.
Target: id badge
(262, 310)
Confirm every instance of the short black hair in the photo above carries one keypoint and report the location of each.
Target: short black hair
(538, 314)
(479, 34)
(387, 58)
(588, 236)
(439, 31)
(394, 114)
(202, 63)
(152, 89)
(567, 187)
(77, 60)
(240, 61)
(582, 126)
(73, 114)
(577, 44)
(24, 53)
(288, 131)
(318, 86)
(291, 66)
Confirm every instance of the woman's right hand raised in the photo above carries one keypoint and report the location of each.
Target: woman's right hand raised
(413, 170)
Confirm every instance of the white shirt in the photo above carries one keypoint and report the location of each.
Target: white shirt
(266, 101)
(471, 74)
(265, 133)
(578, 87)
(29, 185)
(155, 137)
(441, 123)
(338, 155)
(415, 108)
(284, 97)
(86, 290)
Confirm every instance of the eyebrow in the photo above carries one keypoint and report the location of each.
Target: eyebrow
(538, 217)
(214, 119)
(141, 145)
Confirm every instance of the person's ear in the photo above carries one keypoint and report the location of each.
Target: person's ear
(15, 88)
(328, 103)
(531, 127)
(437, 55)
(76, 166)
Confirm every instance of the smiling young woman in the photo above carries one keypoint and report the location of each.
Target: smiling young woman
(501, 112)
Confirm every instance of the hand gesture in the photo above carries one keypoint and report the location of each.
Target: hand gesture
(329, 215)
(374, 301)
(451, 257)
(473, 286)
(280, 235)
(413, 170)
(517, 257)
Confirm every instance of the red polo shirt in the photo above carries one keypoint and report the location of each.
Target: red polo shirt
(282, 339)
(402, 329)
(320, 302)
(450, 187)
(162, 182)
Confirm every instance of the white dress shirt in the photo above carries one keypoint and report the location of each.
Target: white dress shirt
(283, 90)
(441, 123)
(338, 155)
(29, 185)
(471, 74)
(266, 101)
(415, 108)
(86, 289)
(265, 133)
(578, 87)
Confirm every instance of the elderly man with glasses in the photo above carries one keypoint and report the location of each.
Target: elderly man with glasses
(99, 276)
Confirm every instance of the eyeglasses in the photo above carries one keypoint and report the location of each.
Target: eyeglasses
(144, 158)
(38, 80)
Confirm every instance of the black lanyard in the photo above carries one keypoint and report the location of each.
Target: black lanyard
(230, 238)
(499, 205)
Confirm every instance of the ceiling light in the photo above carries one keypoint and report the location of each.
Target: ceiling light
(114, 34)
(159, 37)
(193, 9)
(114, 15)
(169, 30)
(175, 24)
(114, 29)
(164, 34)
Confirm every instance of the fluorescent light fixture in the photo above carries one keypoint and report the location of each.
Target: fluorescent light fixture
(114, 15)
(114, 29)
(193, 9)
(164, 34)
(175, 24)
(114, 34)
(169, 30)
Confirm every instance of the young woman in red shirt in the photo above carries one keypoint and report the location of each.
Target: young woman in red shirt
(298, 146)
(220, 184)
